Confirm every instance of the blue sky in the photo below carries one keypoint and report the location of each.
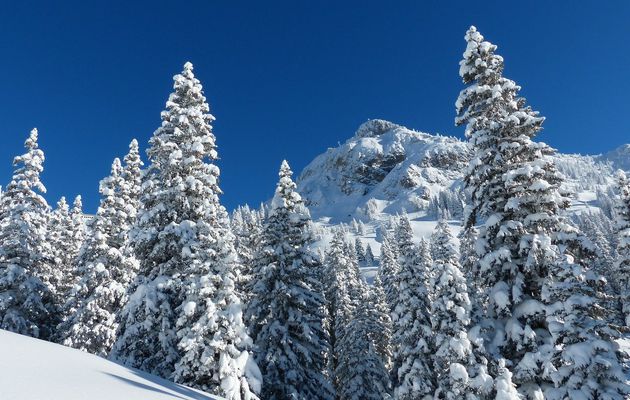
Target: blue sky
(287, 79)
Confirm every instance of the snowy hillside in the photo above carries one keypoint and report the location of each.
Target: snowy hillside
(619, 157)
(32, 369)
(385, 169)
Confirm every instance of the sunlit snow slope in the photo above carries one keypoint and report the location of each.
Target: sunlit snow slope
(32, 369)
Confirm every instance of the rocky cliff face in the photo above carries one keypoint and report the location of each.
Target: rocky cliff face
(383, 168)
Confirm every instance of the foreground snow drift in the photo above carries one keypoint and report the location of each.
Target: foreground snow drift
(32, 369)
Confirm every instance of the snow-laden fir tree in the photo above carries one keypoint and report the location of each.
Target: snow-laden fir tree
(78, 224)
(454, 363)
(388, 269)
(585, 360)
(287, 311)
(130, 190)
(512, 264)
(603, 249)
(412, 338)
(621, 269)
(183, 319)
(370, 261)
(27, 301)
(66, 234)
(516, 201)
(105, 272)
(469, 262)
(64, 249)
(360, 250)
(343, 286)
(247, 227)
(382, 336)
(361, 372)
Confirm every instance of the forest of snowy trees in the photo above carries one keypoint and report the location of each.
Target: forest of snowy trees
(526, 303)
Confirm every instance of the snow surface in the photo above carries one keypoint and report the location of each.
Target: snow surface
(32, 369)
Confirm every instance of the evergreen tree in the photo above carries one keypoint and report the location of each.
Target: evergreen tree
(586, 362)
(388, 270)
(104, 271)
(288, 306)
(603, 250)
(67, 236)
(183, 318)
(513, 258)
(453, 360)
(343, 285)
(515, 195)
(369, 256)
(413, 373)
(78, 226)
(247, 227)
(621, 269)
(27, 301)
(63, 248)
(361, 372)
(130, 191)
(469, 261)
(360, 250)
(442, 244)
(382, 335)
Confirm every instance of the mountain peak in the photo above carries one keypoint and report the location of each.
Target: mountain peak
(384, 168)
(619, 157)
(375, 127)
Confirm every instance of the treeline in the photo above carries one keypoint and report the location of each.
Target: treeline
(162, 279)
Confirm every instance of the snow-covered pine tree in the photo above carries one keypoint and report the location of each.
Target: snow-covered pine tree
(382, 336)
(516, 197)
(513, 263)
(343, 285)
(453, 361)
(361, 230)
(183, 318)
(369, 256)
(67, 235)
(78, 225)
(247, 227)
(388, 269)
(442, 244)
(360, 250)
(105, 272)
(412, 338)
(27, 301)
(586, 364)
(603, 249)
(60, 237)
(288, 306)
(361, 372)
(130, 190)
(469, 262)
(621, 269)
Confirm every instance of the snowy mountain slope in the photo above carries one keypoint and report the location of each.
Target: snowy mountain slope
(32, 369)
(385, 169)
(619, 157)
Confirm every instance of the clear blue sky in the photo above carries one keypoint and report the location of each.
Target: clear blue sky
(287, 79)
